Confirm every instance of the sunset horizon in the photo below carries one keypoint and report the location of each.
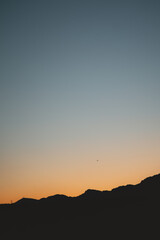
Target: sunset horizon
(67, 192)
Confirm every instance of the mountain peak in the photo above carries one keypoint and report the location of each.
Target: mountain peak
(25, 201)
(153, 179)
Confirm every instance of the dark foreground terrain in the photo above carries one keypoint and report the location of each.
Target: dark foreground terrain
(126, 212)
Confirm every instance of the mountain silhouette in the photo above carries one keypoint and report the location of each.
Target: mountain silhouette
(131, 210)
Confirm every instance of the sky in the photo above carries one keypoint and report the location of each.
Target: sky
(79, 82)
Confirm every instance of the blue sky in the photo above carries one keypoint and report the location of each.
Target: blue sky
(79, 80)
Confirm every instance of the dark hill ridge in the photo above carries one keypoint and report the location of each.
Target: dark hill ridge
(150, 184)
(93, 212)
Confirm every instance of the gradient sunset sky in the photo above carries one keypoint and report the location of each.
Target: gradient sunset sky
(79, 82)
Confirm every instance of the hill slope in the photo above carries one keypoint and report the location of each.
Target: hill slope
(126, 209)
